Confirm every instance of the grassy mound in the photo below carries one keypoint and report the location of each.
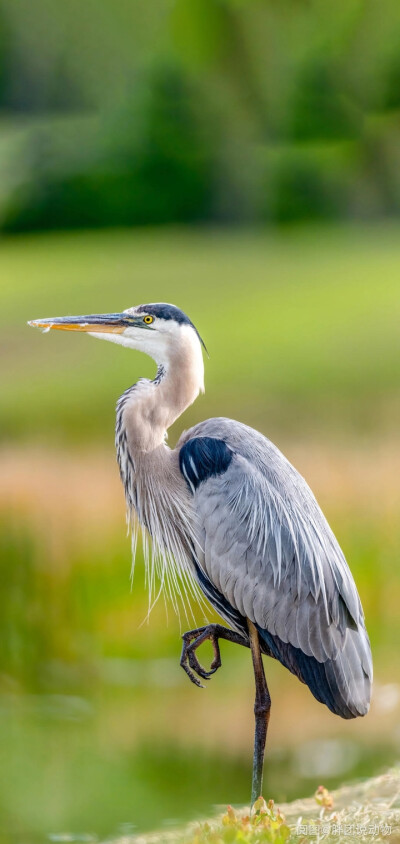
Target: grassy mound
(366, 812)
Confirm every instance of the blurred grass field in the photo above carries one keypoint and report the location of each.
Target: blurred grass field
(301, 326)
(98, 721)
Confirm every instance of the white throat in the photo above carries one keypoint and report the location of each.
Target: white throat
(149, 408)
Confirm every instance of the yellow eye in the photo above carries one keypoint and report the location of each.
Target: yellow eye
(148, 320)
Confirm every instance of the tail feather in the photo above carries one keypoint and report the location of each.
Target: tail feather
(343, 683)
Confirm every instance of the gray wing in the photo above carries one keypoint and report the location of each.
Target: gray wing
(270, 556)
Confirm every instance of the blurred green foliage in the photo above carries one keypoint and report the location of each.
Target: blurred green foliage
(115, 113)
(58, 625)
(90, 706)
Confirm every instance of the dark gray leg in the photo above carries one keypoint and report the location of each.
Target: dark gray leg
(194, 638)
(262, 709)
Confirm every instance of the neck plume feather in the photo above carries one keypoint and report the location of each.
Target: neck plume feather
(157, 499)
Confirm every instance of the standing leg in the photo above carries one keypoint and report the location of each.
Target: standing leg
(262, 709)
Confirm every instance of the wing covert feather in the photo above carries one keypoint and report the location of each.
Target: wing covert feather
(270, 552)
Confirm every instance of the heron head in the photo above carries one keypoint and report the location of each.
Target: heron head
(160, 330)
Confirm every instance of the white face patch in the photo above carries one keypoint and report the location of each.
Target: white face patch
(164, 340)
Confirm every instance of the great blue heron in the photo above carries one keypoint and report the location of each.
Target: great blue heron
(230, 516)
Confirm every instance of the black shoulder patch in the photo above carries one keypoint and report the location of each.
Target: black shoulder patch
(203, 458)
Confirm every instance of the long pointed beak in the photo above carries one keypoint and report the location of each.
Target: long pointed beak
(97, 323)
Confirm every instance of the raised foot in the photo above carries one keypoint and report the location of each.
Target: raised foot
(194, 638)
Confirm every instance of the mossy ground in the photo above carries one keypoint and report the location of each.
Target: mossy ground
(368, 811)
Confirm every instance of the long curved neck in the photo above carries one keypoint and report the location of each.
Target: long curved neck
(149, 408)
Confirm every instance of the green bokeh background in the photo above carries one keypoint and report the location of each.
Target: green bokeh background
(240, 160)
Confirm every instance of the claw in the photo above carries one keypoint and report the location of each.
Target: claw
(185, 659)
(192, 676)
(216, 663)
(189, 661)
(195, 666)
